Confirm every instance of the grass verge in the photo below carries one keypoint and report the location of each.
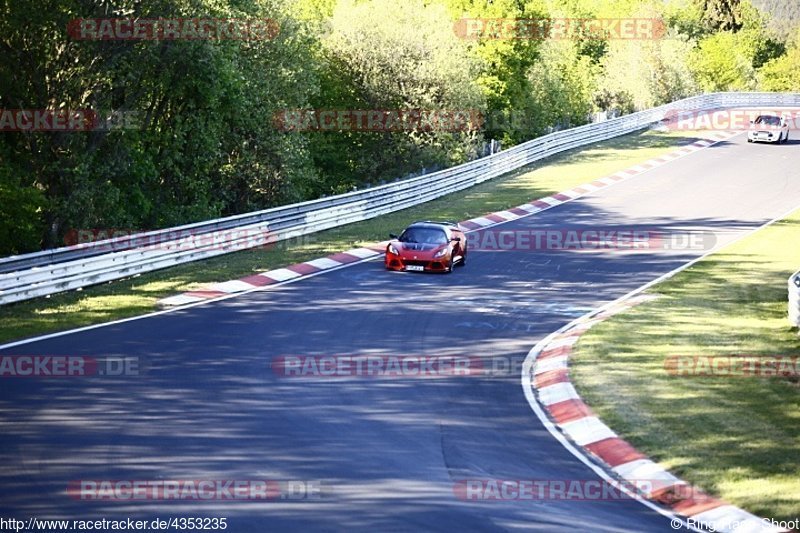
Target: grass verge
(737, 437)
(139, 295)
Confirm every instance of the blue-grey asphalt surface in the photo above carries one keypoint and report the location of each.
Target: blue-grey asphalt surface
(387, 452)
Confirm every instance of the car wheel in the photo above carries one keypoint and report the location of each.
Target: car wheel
(786, 139)
(463, 260)
(452, 265)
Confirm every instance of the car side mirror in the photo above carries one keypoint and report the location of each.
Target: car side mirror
(393, 236)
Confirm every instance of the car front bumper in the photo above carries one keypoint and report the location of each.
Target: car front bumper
(396, 262)
(762, 136)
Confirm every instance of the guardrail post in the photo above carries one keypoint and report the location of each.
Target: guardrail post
(794, 299)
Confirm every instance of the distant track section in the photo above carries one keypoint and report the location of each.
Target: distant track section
(51, 271)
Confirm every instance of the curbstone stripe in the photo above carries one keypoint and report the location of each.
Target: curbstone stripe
(554, 391)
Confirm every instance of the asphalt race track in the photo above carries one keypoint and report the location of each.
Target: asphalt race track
(387, 452)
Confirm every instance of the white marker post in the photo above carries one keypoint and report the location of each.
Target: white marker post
(794, 299)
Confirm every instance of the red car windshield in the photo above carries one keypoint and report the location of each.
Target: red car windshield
(424, 236)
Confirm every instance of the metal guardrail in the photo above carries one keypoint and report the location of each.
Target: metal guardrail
(794, 299)
(51, 271)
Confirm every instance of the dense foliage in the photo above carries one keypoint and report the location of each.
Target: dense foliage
(202, 139)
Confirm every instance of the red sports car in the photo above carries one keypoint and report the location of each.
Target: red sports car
(427, 246)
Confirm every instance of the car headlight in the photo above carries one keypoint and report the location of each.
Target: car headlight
(440, 253)
(393, 250)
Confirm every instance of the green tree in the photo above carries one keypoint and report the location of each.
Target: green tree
(397, 55)
(782, 73)
(784, 17)
(722, 63)
(727, 60)
(204, 145)
(563, 83)
(503, 61)
(651, 73)
(721, 15)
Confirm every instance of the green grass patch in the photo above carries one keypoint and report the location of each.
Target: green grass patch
(139, 295)
(737, 437)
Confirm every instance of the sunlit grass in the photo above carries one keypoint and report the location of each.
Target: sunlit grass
(738, 437)
(135, 296)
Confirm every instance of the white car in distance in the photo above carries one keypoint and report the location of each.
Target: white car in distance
(768, 128)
